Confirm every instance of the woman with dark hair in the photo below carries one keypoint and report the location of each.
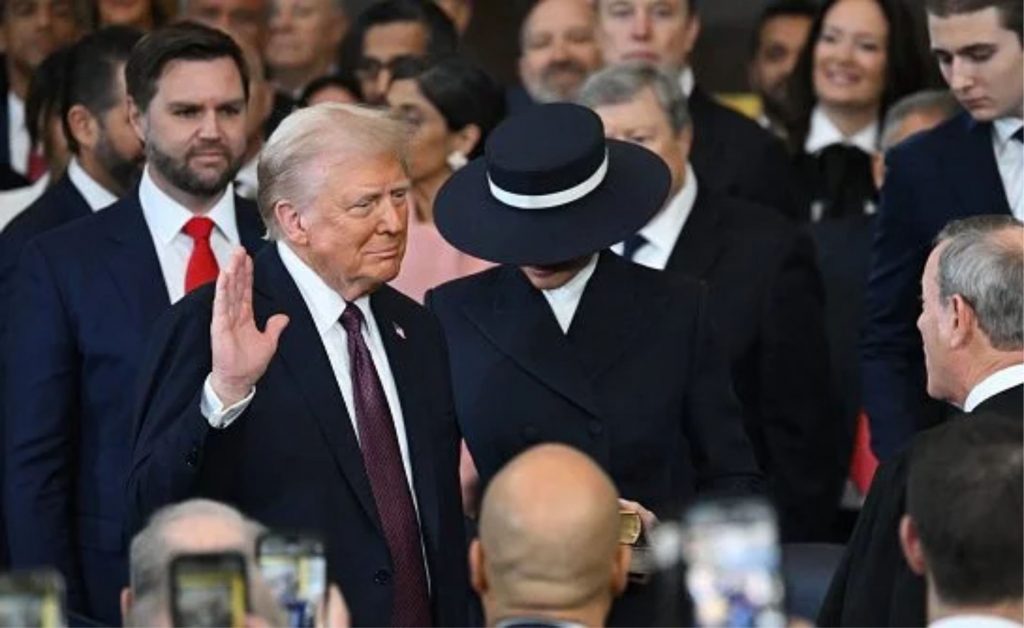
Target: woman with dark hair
(862, 55)
(450, 106)
(144, 15)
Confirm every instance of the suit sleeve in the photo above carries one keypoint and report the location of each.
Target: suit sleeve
(170, 431)
(41, 384)
(892, 362)
(801, 422)
(722, 454)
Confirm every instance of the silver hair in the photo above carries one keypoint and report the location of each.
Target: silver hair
(937, 101)
(983, 262)
(619, 84)
(151, 553)
(327, 131)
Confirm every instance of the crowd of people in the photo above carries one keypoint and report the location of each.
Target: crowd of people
(277, 263)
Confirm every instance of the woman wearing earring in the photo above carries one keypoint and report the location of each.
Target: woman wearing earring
(450, 106)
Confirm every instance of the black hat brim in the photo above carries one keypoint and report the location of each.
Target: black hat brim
(473, 221)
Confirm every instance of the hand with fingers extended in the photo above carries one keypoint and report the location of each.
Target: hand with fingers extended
(241, 352)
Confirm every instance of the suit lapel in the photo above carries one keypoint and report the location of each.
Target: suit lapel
(610, 315)
(700, 243)
(250, 225)
(301, 349)
(132, 260)
(972, 169)
(69, 201)
(403, 351)
(517, 319)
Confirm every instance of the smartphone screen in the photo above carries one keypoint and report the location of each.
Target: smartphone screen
(294, 567)
(209, 590)
(32, 598)
(731, 548)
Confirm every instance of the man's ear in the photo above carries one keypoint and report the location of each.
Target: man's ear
(963, 321)
(477, 572)
(289, 221)
(127, 599)
(135, 117)
(620, 568)
(910, 543)
(83, 126)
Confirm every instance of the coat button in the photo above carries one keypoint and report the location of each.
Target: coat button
(595, 427)
(383, 576)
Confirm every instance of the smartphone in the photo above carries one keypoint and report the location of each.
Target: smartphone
(32, 598)
(294, 567)
(733, 563)
(209, 590)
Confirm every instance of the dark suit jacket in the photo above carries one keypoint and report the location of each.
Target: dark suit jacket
(87, 296)
(873, 585)
(638, 384)
(735, 156)
(934, 177)
(767, 302)
(292, 460)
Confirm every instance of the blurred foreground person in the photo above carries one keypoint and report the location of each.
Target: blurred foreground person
(549, 552)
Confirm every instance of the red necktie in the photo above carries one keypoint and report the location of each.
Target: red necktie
(37, 165)
(383, 461)
(202, 265)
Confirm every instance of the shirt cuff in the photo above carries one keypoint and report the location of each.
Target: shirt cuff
(214, 411)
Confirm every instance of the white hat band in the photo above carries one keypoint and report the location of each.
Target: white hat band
(553, 199)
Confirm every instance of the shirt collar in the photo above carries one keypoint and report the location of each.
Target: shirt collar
(15, 107)
(824, 133)
(686, 81)
(1001, 380)
(572, 290)
(246, 178)
(324, 304)
(95, 195)
(663, 230)
(974, 621)
(1004, 128)
(167, 217)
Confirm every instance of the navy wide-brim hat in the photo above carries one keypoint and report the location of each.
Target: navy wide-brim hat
(550, 188)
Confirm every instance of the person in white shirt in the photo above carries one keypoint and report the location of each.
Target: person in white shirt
(962, 530)
(780, 35)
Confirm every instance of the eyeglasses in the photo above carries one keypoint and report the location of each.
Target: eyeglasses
(369, 68)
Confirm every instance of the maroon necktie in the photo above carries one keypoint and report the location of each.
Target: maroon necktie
(383, 461)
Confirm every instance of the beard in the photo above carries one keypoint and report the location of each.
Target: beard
(179, 174)
(125, 171)
(550, 89)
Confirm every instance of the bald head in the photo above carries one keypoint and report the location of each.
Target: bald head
(549, 529)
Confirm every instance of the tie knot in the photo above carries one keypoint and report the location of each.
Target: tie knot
(633, 244)
(351, 319)
(1018, 134)
(199, 228)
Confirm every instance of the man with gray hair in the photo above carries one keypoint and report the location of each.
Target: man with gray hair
(910, 115)
(754, 262)
(972, 327)
(191, 527)
(337, 417)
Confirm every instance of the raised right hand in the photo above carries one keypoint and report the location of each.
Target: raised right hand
(241, 352)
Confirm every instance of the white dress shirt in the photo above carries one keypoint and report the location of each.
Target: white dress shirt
(13, 202)
(686, 81)
(325, 306)
(17, 134)
(1010, 160)
(96, 196)
(566, 298)
(663, 231)
(1000, 381)
(824, 133)
(166, 218)
(974, 621)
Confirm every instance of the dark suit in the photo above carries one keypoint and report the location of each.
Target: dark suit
(873, 585)
(934, 177)
(637, 384)
(734, 155)
(60, 204)
(767, 303)
(85, 299)
(291, 460)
